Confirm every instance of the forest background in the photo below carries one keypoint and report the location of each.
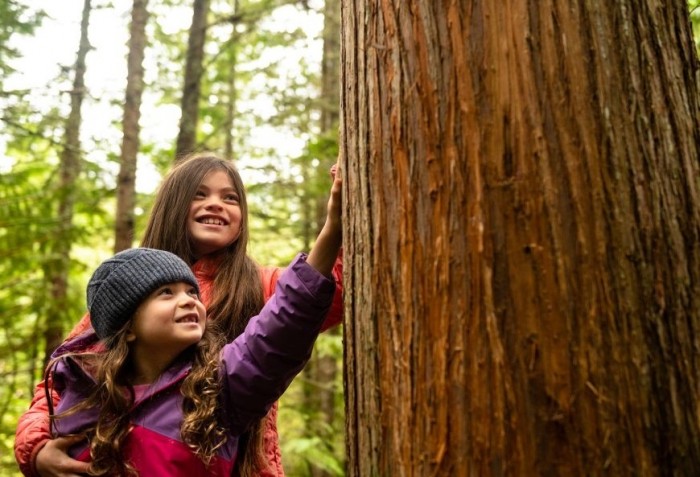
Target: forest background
(267, 96)
(260, 100)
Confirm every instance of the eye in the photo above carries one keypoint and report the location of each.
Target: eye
(164, 291)
(231, 198)
(200, 194)
(193, 292)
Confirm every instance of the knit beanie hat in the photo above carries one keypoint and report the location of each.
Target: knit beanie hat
(121, 283)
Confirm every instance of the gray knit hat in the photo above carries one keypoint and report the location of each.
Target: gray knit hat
(121, 283)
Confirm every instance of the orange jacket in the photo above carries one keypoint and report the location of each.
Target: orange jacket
(33, 427)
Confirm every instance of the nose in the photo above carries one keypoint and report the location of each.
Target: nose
(187, 300)
(213, 203)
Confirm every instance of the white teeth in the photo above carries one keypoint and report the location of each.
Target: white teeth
(212, 221)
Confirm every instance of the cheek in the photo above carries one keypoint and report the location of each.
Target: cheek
(190, 217)
(236, 221)
(238, 215)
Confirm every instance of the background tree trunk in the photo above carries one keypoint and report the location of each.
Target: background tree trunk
(521, 238)
(232, 93)
(330, 68)
(126, 181)
(58, 262)
(187, 135)
(330, 93)
(323, 368)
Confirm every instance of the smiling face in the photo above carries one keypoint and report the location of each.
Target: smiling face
(168, 321)
(214, 219)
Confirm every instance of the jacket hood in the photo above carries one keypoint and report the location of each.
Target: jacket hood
(85, 341)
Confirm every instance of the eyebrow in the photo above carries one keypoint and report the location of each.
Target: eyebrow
(225, 189)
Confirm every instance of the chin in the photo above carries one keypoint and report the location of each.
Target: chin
(197, 338)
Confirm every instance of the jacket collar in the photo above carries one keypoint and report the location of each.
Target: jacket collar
(206, 267)
(205, 270)
(175, 373)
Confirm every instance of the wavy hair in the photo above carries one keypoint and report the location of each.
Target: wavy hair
(237, 290)
(114, 397)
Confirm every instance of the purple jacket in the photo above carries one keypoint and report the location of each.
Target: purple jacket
(256, 369)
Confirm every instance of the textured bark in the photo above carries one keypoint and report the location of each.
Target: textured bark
(126, 181)
(58, 264)
(521, 238)
(187, 134)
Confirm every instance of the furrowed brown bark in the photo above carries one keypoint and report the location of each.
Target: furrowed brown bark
(521, 238)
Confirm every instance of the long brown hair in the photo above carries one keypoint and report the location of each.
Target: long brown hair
(237, 292)
(113, 396)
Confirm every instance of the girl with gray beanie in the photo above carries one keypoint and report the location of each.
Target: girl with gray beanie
(157, 394)
(200, 214)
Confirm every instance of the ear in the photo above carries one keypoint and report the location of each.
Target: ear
(130, 336)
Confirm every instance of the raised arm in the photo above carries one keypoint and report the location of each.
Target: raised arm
(259, 365)
(327, 246)
(325, 251)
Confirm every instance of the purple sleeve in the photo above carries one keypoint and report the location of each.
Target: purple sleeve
(258, 365)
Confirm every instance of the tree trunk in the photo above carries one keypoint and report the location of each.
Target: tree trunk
(187, 135)
(330, 94)
(521, 238)
(323, 368)
(330, 68)
(231, 86)
(126, 182)
(58, 264)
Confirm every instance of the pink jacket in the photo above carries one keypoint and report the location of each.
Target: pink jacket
(33, 427)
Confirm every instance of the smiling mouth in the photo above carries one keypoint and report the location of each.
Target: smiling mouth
(211, 221)
(188, 319)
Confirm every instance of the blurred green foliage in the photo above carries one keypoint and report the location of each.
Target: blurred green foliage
(284, 184)
(694, 6)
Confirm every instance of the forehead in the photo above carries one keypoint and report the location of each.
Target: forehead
(175, 287)
(176, 284)
(217, 179)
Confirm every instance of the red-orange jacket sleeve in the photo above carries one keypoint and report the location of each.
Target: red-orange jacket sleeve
(33, 427)
(335, 314)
